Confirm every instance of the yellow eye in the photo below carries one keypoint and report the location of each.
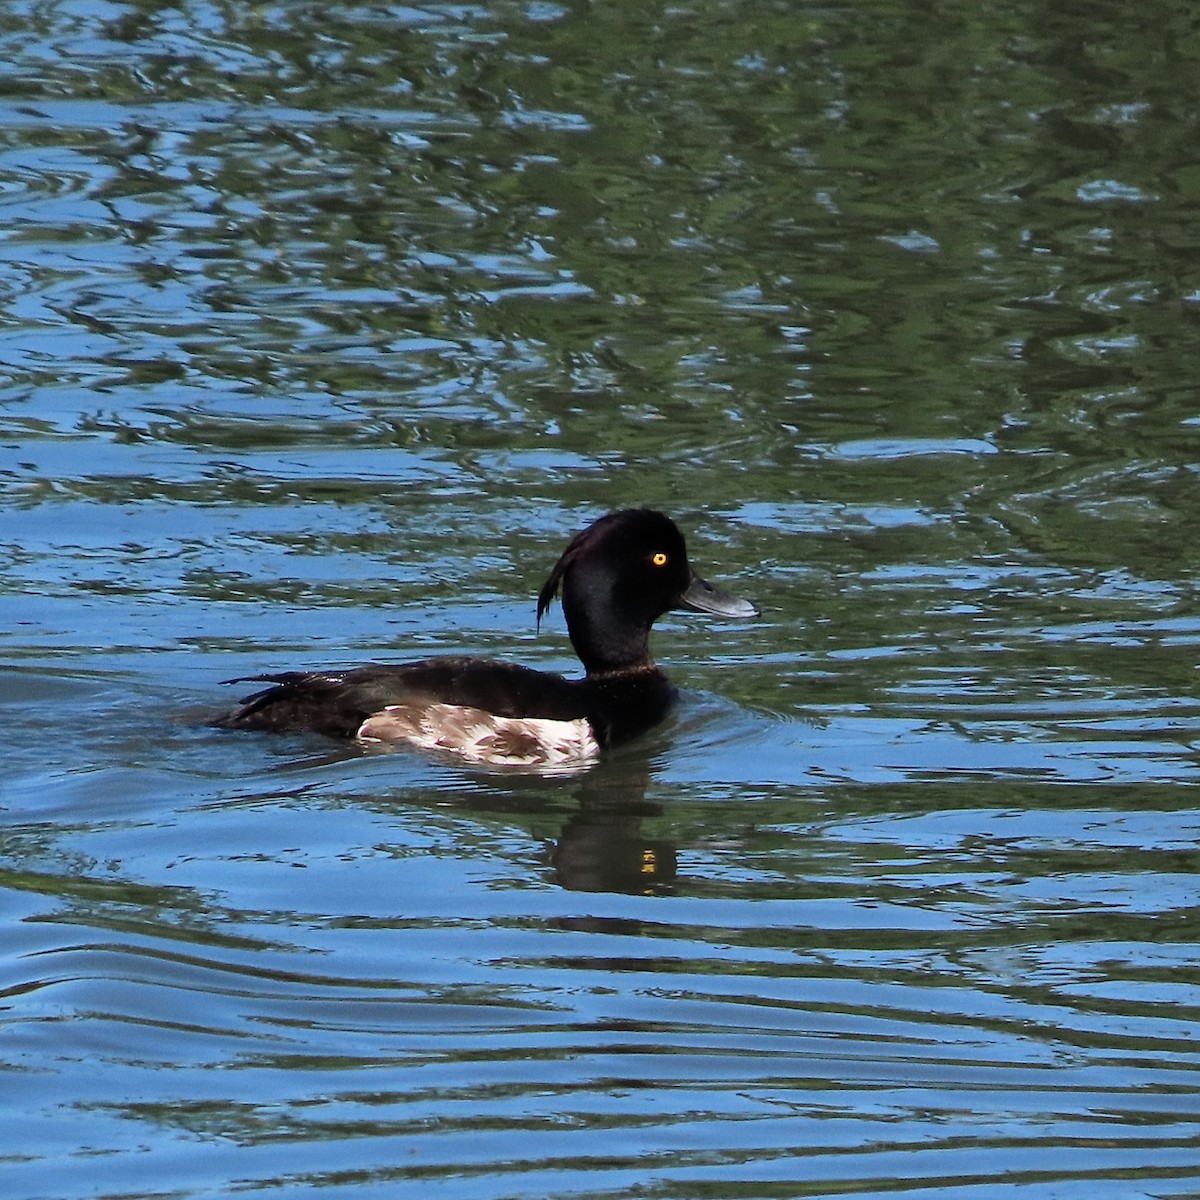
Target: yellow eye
(659, 559)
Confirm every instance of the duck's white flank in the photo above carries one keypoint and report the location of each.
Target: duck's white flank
(482, 736)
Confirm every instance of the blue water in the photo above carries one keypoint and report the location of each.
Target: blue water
(324, 329)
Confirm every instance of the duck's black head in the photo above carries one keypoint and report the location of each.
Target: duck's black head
(618, 577)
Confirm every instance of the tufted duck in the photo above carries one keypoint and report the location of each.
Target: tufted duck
(617, 577)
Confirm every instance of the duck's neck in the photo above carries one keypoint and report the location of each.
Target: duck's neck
(606, 644)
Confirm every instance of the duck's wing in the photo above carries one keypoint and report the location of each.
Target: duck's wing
(337, 703)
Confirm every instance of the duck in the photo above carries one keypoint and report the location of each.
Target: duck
(616, 578)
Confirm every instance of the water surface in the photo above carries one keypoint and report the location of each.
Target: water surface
(326, 327)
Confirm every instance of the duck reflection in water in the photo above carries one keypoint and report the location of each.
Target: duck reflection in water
(604, 847)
